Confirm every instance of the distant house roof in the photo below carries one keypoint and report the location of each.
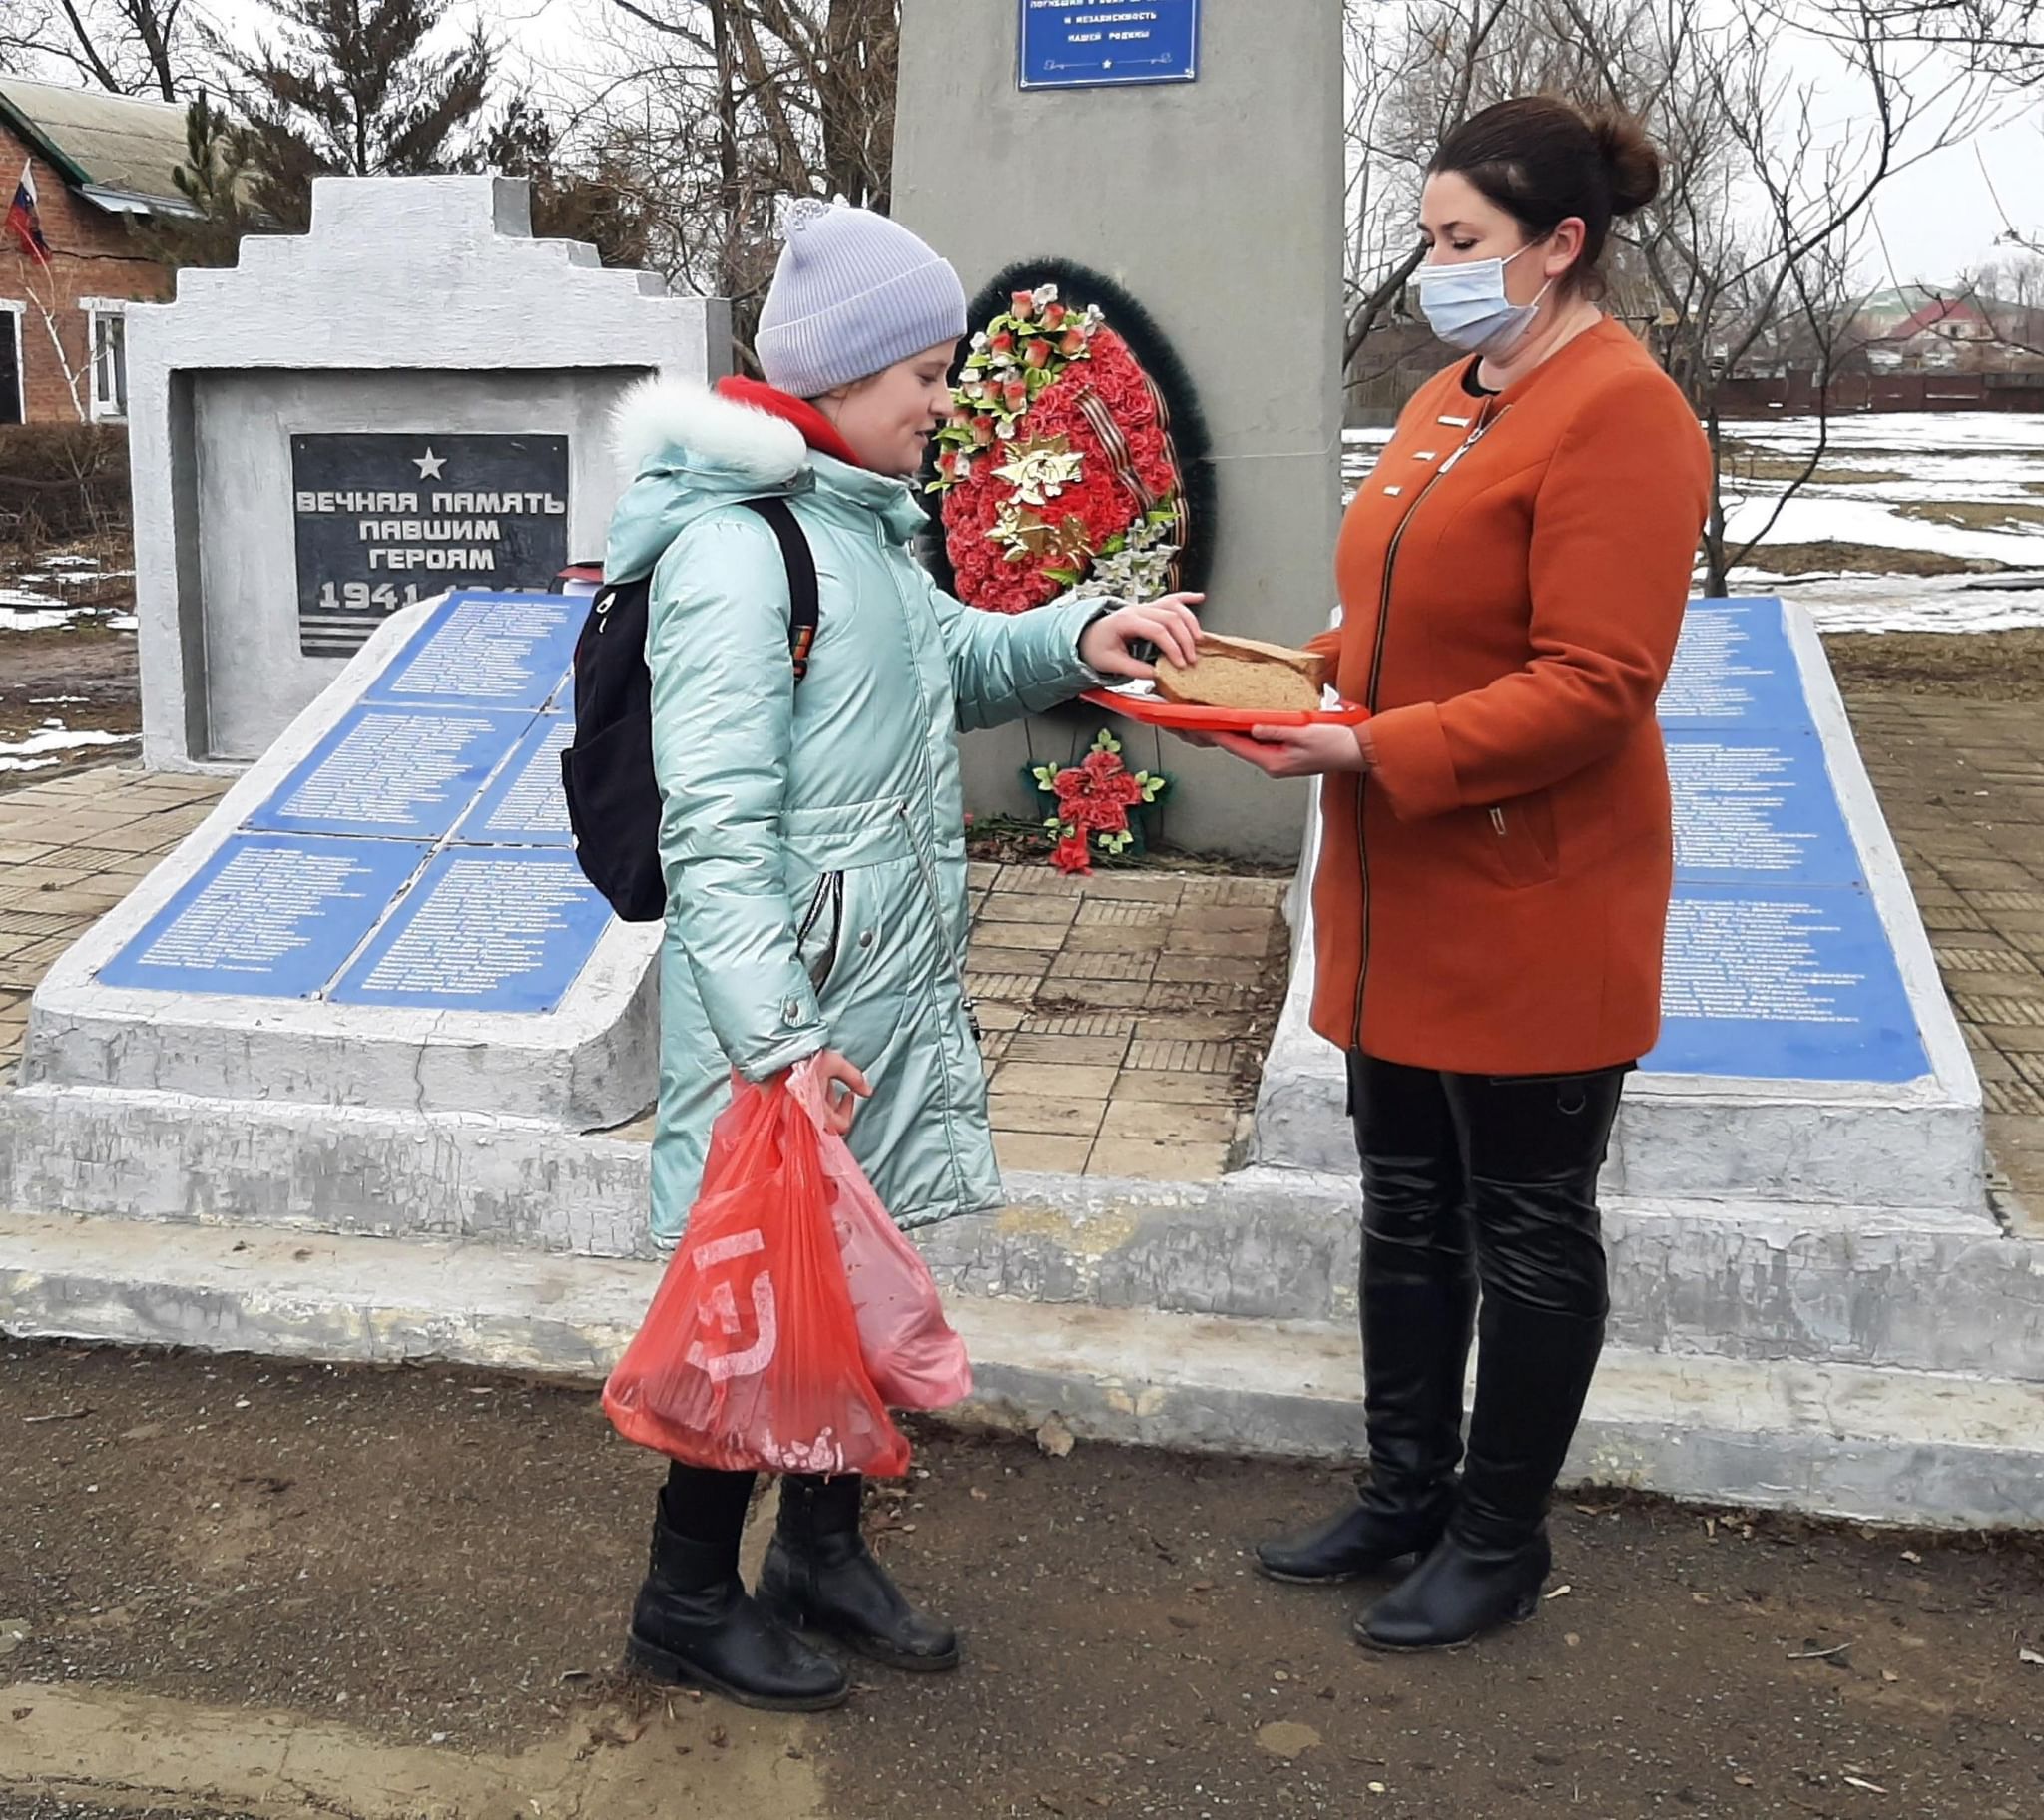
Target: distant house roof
(114, 150)
(1936, 311)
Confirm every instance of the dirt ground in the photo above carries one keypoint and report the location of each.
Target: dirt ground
(1980, 666)
(91, 667)
(230, 1586)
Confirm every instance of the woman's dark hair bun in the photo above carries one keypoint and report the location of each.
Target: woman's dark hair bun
(1631, 165)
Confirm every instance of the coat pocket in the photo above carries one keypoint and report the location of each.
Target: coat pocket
(1523, 840)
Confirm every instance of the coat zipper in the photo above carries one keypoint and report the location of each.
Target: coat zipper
(1483, 423)
(829, 890)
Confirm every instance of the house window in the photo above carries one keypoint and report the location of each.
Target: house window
(12, 402)
(109, 361)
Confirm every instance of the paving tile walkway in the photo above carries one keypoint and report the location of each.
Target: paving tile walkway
(1127, 1013)
(1962, 785)
(71, 849)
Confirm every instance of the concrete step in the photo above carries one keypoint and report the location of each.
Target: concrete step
(1922, 1289)
(1886, 1445)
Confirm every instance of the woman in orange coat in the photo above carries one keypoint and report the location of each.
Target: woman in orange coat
(1496, 854)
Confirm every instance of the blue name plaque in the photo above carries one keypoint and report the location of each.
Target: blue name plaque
(1089, 44)
(525, 806)
(482, 931)
(407, 772)
(1779, 966)
(502, 651)
(267, 916)
(419, 855)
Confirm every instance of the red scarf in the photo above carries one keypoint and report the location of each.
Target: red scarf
(817, 430)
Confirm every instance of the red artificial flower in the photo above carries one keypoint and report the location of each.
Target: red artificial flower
(1074, 342)
(1071, 854)
(1038, 356)
(1022, 305)
(1097, 793)
(982, 430)
(1003, 343)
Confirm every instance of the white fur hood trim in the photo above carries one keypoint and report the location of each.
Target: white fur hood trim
(659, 414)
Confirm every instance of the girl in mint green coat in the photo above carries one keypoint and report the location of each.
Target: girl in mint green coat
(813, 843)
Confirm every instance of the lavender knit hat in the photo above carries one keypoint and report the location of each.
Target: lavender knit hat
(853, 293)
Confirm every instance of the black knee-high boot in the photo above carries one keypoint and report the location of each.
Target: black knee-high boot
(820, 1575)
(1535, 1147)
(693, 1623)
(1418, 1305)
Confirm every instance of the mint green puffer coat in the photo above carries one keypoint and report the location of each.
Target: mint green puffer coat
(813, 838)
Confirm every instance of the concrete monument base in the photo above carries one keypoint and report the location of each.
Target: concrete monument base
(1852, 1441)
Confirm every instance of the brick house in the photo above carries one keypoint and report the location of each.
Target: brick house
(101, 162)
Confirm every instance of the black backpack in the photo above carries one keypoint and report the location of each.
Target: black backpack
(607, 771)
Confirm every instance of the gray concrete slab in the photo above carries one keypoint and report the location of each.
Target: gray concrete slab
(1743, 1280)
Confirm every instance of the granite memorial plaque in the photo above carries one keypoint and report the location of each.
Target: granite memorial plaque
(383, 521)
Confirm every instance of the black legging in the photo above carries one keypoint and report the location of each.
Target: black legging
(1508, 1160)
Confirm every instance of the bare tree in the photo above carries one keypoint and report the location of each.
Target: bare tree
(2001, 39)
(1750, 250)
(127, 47)
(715, 109)
(1413, 74)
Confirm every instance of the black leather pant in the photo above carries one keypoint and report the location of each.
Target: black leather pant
(1475, 1180)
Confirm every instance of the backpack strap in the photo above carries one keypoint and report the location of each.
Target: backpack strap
(801, 577)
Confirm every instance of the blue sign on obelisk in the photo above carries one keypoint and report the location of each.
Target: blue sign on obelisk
(1091, 44)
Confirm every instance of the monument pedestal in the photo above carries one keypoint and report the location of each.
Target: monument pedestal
(1216, 204)
(373, 986)
(413, 396)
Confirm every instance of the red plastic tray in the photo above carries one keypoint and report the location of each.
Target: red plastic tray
(1153, 711)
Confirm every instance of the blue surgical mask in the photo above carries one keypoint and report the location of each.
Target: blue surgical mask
(1466, 305)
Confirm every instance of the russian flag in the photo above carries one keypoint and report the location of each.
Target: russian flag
(24, 222)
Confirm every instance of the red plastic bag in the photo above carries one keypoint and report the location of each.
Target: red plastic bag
(911, 1353)
(750, 1357)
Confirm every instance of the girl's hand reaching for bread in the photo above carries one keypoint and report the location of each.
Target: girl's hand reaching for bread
(1301, 752)
(1168, 624)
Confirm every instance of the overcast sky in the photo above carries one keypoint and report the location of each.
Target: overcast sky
(1935, 219)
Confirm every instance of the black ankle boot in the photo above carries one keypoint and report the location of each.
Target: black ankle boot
(820, 1575)
(1533, 1371)
(693, 1625)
